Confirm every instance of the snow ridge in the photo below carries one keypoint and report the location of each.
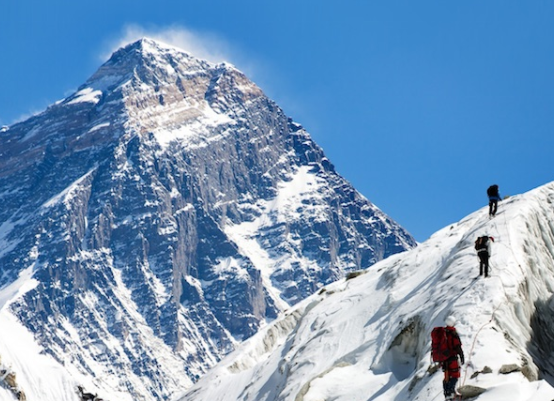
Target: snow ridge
(368, 337)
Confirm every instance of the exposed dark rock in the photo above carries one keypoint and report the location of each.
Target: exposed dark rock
(507, 369)
(468, 392)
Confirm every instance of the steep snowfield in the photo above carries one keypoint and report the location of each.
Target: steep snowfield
(367, 338)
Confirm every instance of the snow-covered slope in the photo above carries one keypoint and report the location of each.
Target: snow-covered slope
(367, 338)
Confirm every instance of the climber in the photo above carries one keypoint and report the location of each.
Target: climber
(86, 396)
(451, 366)
(483, 248)
(494, 197)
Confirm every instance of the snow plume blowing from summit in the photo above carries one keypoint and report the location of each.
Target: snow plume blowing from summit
(156, 218)
(367, 337)
(203, 45)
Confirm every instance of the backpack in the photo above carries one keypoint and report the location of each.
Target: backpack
(481, 243)
(440, 348)
(492, 190)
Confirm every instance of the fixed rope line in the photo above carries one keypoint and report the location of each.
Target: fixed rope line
(510, 245)
(475, 340)
(497, 307)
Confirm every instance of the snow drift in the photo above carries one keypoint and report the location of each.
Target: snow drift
(367, 336)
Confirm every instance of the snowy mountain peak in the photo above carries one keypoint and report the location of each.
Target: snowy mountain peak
(152, 48)
(154, 63)
(159, 216)
(143, 54)
(168, 92)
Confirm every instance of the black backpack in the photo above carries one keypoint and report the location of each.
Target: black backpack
(481, 243)
(492, 190)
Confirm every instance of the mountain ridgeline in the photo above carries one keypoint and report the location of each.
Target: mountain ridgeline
(164, 212)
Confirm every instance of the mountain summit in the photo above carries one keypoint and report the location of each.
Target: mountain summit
(158, 216)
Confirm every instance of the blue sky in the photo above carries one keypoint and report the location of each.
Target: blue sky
(419, 104)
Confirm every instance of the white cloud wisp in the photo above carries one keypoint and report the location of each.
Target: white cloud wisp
(206, 46)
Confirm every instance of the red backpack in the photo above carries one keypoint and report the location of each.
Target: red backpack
(440, 348)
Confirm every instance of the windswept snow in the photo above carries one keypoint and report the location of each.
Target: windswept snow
(99, 126)
(24, 283)
(196, 132)
(67, 194)
(367, 338)
(86, 95)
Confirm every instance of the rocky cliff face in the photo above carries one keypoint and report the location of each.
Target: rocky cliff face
(164, 212)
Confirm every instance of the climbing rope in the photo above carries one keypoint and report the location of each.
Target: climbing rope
(475, 340)
(515, 258)
(499, 305)
(510, 245)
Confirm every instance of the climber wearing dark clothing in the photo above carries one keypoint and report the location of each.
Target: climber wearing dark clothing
(494, 197)
(483, 248)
